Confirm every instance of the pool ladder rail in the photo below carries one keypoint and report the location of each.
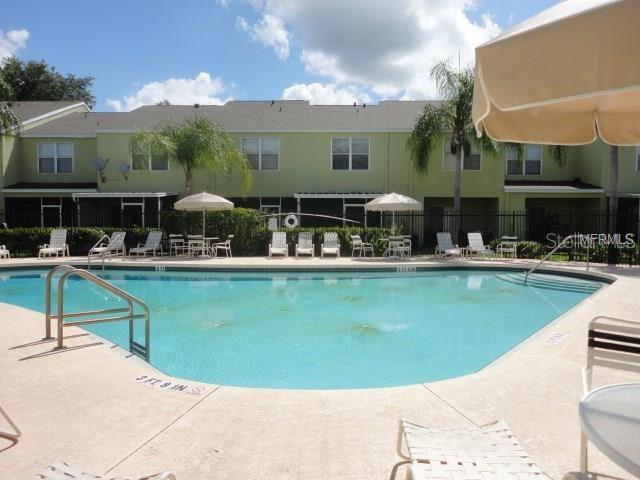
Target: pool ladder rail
(548, 255)
(121, 314)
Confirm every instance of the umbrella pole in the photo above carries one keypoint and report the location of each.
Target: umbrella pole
(203, 225)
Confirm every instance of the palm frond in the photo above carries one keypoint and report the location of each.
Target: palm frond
(559, 153)
(426, 132)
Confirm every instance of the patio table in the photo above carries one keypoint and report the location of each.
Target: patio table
(610, 418)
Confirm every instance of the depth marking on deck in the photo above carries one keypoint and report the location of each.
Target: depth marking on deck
(556, 338)
(170, 386)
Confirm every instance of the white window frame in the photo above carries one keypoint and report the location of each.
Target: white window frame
(350, 169)
(523, 162)
(444, 165)
(55, 158)
(260, 169)
(150, 169)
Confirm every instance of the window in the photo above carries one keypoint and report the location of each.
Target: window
(533, 160)
(262, 153)
(149, 161)
(514, 165)
(638, 158)
(55, 158)
(471, 162)
(350, 154)
(532, 164)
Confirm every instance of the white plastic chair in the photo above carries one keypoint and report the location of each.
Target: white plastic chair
(305, 244)
(4, 253)
(57, 244)
(63, 471)
(152, 245)
(477, 246)
(359, 246)
(177, 245)
(330, 245)
(491, 451)
(446, 247)
(278, 245)
(114, 247)
(612, 343)
(224, 246)
(508, 245)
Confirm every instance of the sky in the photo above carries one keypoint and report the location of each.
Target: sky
(212, 51)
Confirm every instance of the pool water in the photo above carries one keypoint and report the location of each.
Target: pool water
(320, 330)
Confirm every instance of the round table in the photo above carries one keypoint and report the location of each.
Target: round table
(610, 418)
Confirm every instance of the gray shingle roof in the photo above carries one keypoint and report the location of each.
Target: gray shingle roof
(239, 116)
(30, 110)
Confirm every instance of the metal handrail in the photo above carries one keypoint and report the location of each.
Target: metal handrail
(548, 255)
(97, 244)
(67, 271)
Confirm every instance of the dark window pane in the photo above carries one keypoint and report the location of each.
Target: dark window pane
(472, 162)
(532, 167)
(46, 165)
(360, 162)
(65, 165)
(269, 161)
(254, 160)
(340, 162)
(360, 145)
(159, 162)
(514, 167)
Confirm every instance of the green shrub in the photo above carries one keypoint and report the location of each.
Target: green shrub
(528, 249)
(24, 242)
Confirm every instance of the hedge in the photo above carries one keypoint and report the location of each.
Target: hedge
(24, 242)
(251, 237)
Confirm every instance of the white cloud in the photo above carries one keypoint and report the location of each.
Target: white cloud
(326, 94)
(12, 41)
(202, 89)
(270, 32)
(387, 47)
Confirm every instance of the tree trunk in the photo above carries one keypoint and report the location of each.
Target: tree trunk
(613, 188)
(458, 175)
(188, 177)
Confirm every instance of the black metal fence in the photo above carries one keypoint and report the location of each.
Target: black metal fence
(28, 217)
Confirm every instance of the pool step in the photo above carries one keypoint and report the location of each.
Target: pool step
(539, 280)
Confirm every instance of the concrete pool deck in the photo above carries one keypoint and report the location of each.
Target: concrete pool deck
(83, 404)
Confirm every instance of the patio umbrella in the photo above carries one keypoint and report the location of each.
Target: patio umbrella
(563, 77)
(393, 202)
(204, 202)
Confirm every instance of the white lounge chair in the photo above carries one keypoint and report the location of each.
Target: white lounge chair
(13, 434)
(114, 247)
(278, 245)
(64, 471)
(330, 245)
(477, 246)
(508, 245)
(305, 244)
(151, 246)
(446, 247)
(223, 246)
(357, 245)
(57, 244)
(488, 452)
(613, 343)
(4, 253)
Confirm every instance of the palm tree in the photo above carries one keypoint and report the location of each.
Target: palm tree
(454, 117)
(196, 143)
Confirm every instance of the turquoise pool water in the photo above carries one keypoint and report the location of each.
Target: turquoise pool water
(321, 330)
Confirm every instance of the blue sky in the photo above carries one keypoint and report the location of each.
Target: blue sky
(210, 51)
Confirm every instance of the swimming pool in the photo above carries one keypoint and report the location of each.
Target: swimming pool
(321, 330)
